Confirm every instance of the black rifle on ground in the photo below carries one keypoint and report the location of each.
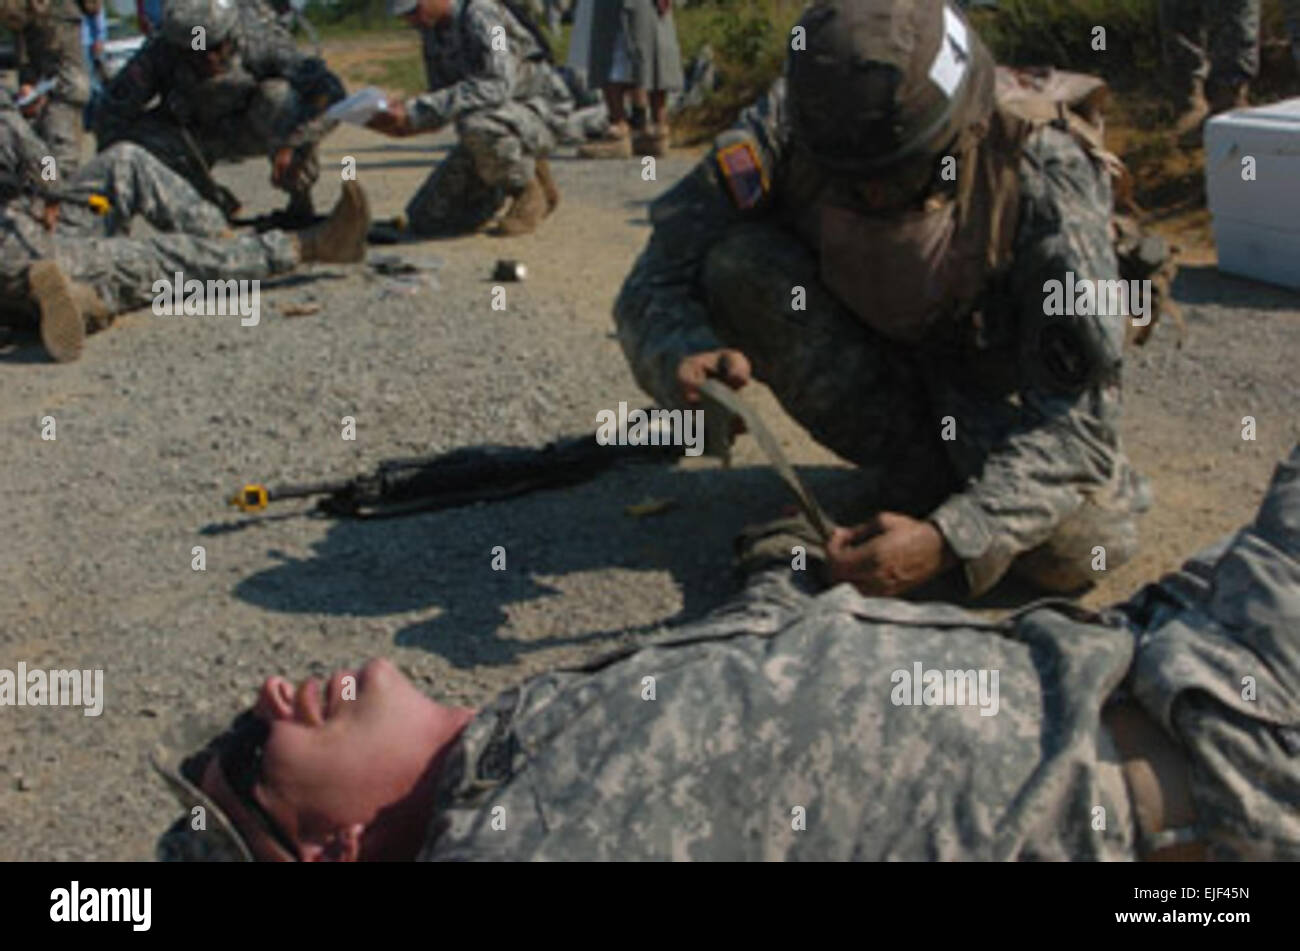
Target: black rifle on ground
(200, 175)
(463, 476)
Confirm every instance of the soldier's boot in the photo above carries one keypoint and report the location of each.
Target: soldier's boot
(66, 310)
(1195, 111)
(618, 145)
(549, 188)
(527, 211)
(340, 238)
(651, 141)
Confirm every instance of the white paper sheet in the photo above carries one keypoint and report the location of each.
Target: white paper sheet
(360, 107)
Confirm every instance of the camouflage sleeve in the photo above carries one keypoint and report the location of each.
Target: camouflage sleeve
(268, 51)
(1066, 444)
(490, 74)
(53, 51)
(316, 89)
(129, 93)
(21, 149)
(660, 313)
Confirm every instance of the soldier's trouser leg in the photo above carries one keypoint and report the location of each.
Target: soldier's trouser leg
(123, 270)
(505, 143)
(137, 183)
(453, 200)
(1087, 542)
(162, 139)
(1183, 36)
(60, 127)
(1234, 41)
(1291, 11)
(856, 393)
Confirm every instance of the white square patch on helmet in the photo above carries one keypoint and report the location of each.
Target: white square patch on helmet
(953, 59)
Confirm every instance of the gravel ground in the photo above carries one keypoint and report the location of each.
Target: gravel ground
(164, 416)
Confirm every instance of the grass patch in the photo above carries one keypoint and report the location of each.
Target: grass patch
(750, 39)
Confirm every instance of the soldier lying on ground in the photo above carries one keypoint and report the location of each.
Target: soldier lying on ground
(230, 83)
(874, 241)
(67, 262)
(490, 75)
(788, 725)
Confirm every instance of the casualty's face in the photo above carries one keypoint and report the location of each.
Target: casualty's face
(337, 753)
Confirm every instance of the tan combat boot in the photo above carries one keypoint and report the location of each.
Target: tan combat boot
(526, 213)
(616, 145)
(549, 188)
(340, 238)
(67, 310)
(651, 141)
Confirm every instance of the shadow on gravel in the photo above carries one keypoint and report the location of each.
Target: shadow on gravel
(423, 149)
(1205, 284)
(24, 345)
(442, 561)
(397, 163)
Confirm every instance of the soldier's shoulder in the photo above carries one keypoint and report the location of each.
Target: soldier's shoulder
(480, 18)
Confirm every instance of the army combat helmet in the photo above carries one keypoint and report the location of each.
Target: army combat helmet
(880, 82)
(217, 18)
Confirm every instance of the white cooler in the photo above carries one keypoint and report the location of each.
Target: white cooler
(1256, 223)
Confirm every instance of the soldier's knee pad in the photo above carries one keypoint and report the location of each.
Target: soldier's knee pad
(1084, 547)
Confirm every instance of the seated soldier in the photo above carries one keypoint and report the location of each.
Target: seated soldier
(792, 725)
(67, 260)
(222, 81)
(489, 73)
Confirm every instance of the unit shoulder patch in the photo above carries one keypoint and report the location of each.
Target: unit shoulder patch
(742, 169)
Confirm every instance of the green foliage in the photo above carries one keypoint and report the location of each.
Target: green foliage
(1061, 34)
(750, 39)
(342, 18)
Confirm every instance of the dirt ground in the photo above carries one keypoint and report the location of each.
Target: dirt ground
(163, 417)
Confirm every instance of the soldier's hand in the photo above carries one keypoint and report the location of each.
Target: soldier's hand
(34, 108)
(285, 167)
(889, 555)
(392, 121)
(730, 366)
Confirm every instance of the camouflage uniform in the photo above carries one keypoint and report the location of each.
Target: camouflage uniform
(1291, 12)
(96, 250)
(508, 106)
(785, 701)
(51, 49)
(1033, 476)
(270, 98)
(1214, 40)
